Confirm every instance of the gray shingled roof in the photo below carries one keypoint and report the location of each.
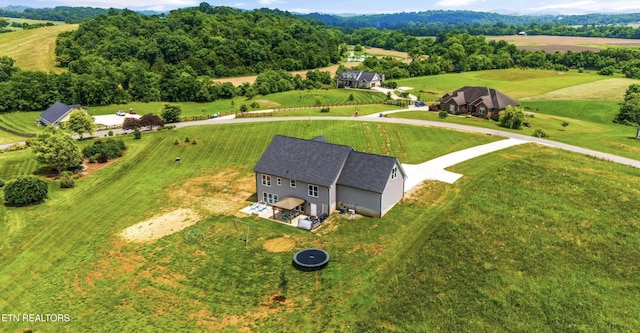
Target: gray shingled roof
(56, 112)
(309, 161)
(358, 75)
(368, 171)
(493, 98)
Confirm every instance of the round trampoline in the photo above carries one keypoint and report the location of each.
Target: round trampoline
(311, 259)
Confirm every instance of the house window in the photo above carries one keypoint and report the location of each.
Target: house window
(278, 181)
(394, 172)
(452, 107)
(482, 109)
(266, 180)
(313, 191)
(292, 183)
(269, 198)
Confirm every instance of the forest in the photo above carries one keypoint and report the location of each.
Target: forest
(431, 23)
(124, 56)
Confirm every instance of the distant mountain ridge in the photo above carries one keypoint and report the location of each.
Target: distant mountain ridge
(404, 20)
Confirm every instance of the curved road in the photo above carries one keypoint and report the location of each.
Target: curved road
(426, 123)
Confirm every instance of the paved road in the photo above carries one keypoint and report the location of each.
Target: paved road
(426, 123)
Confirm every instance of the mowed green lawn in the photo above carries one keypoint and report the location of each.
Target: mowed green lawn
(516, 83)
(589, 124)
(65, 256)
(530, 239)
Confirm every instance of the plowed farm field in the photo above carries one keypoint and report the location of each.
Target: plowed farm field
(564, 44)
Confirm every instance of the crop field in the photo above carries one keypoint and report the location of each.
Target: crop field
(514, 236)
(34, 49)
(563, 43)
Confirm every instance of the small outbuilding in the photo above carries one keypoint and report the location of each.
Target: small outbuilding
(58, 113)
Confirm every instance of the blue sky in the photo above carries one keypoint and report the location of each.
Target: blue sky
(363, 6)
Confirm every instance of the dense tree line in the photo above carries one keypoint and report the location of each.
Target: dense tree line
(204, 40)
(455, 51)
(60, 13)
(98, 82)
(431, 23)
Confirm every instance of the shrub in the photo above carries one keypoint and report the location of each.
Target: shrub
(187, 139)
(1, 183)
(111, 147)
(512, 117)
(176, 142)
(102, 158)
(540, 133)
(194, 141)
(92, 159)
(110, 133)
(565, 124)
(137, 134)
(66, 180)
(443, 114)
(25, 191)
(324, 110)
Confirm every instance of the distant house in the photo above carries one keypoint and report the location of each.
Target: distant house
(478, 101)
(57, 113)
(316, 177)
(359, 79)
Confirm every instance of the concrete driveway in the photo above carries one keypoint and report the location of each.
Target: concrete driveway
(435, 168)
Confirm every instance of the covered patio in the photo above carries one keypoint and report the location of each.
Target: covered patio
(285, 209)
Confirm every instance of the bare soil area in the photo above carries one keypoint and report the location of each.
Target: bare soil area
(280, 244)
(236, 81)
(161, 226)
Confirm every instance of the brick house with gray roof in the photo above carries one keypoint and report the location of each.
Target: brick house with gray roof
(323, 177)
(478, 101)
(359, 79)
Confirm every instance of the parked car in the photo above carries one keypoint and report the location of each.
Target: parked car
(120, 113)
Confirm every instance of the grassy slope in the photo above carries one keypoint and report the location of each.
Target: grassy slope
(70, 260)
(464, 265)
(516, 83)
(587, 102)
(33, 49)
(545, 242)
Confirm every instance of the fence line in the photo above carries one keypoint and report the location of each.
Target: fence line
(18, 133)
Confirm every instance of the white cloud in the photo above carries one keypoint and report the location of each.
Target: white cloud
(589, 6)
(456, 3)
(137, 5)
(269, 2)
(239, 5)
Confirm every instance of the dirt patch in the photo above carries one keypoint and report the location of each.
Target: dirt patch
(161, 226)
(280, 244)
(220, 192)
(268, 104)
(236, 81)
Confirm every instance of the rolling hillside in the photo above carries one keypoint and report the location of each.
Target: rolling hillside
(34, 49)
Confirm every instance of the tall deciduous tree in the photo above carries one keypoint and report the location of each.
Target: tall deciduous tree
(56, 149)
(512, 117)
(80, 122)
(171, 113)
(151, 120)
(630, 109)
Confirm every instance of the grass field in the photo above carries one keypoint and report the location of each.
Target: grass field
(88, 270)
(564, 43)
(516, 83)
(271, 101)
(34, 49)
(513, 246)
(590, 124)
